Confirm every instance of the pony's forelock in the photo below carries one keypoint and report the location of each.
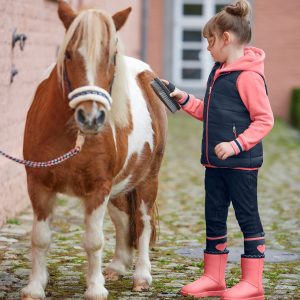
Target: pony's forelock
(87, 30)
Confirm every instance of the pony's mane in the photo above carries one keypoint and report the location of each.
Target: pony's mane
(86, 30)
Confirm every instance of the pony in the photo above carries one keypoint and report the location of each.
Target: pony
(95, 89)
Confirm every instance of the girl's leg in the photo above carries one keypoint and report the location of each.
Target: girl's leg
(212, 283)
(243, 192)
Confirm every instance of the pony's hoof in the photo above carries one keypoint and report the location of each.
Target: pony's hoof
(141, 285)
(34, 288)
(96, 293)
(112, 275)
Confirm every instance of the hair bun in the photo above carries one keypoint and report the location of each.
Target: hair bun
(240, 9)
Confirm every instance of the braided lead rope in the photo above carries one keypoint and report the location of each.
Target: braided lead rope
(53, 162)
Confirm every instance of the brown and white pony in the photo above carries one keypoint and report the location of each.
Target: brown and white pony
(107, 96)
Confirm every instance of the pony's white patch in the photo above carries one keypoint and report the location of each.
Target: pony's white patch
(123, 254)
(143, 265)
(90, 76)
(120, 187)
(40, 238)
(113, 129)
(93, 244)
(142, 132)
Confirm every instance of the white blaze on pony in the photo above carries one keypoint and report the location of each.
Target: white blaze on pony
(113, 104)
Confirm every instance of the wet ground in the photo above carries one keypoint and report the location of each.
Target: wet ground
(182, 231)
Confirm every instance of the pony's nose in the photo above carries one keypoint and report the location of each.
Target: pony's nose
(92, 120)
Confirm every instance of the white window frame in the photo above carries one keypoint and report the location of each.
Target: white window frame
(181, 23)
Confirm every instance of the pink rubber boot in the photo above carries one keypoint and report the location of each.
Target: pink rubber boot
(250, 287)
(212, 282)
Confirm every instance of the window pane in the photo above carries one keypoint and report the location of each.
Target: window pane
(192, 36)
(188, 73)
(219, 7)
(190, 54)
(193, 9)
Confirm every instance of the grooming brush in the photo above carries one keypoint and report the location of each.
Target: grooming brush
(164, 95)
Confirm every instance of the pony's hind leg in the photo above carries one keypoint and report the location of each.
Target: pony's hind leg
(145, 233)
(42, 202)
(122, 259)
(93, 243)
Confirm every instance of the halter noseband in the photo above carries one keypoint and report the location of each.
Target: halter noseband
(90, 92)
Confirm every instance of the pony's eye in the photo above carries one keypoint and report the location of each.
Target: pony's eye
(67, 55)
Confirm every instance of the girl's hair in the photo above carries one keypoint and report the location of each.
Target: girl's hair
(235, 18)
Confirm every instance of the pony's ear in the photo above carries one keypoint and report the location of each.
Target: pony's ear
(65, 13)
(121, 17)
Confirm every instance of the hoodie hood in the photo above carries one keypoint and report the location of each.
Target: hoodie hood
(253, 60)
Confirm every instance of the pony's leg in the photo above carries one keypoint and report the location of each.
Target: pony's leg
(119, 213)
(42, 202)
(145, 230)
(93, 241)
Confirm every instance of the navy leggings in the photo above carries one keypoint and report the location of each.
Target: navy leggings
(223, 186)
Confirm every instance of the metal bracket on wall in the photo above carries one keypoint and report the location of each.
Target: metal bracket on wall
(13, 73)
(18, 37)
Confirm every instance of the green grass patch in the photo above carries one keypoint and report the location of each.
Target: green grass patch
(13, 221)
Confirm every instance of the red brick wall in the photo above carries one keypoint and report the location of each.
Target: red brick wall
(155, 36)
(277, 31)
(38, 20)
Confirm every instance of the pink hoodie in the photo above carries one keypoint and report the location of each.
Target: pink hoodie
(251, 87)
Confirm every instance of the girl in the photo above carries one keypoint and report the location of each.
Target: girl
(236, 116)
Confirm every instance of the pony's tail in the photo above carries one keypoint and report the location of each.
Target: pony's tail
(134, 229)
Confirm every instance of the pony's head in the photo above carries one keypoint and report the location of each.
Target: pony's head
(87, 62)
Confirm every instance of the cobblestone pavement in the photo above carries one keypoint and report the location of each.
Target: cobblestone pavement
(181, 213)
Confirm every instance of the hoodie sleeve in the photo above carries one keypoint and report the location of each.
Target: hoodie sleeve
(192, 106)
(251, 87)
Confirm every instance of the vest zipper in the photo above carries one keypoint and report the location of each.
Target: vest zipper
(234, 130)
(209, 93)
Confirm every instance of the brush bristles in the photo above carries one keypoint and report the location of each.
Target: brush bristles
(164, 95)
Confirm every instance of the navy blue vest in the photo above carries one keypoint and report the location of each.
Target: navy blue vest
(225, 117)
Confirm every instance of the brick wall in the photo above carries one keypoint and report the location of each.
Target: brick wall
(276, 30)
(38, 20)
(156, 34)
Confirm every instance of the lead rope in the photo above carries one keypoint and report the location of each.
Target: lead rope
(34, 164)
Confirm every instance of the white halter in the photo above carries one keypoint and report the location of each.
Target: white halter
(90, 92)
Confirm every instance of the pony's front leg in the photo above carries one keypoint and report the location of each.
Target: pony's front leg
(42, 202)
(93, 244)
(142, 274)
(145, 232)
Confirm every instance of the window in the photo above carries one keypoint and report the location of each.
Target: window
(188, 54)
(192, 62)
(192, 36)
(219, 7)
(193, 9)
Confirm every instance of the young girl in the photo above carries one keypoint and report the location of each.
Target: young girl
(236, 116)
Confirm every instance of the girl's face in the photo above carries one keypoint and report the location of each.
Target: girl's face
(216, 47)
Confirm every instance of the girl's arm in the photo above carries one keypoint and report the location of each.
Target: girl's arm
(189, 103)
(251, 87)
(192, 106)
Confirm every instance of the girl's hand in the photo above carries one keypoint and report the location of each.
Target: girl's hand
(177, 93)
(224, 150)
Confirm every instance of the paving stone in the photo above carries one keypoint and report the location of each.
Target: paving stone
(181, 229)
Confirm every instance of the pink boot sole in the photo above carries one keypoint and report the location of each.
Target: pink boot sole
(205, 294)
(252, 298)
